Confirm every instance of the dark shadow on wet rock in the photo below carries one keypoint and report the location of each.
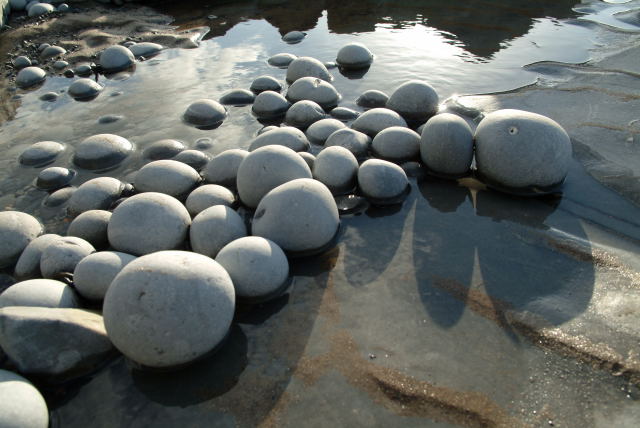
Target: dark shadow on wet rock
(256, 314)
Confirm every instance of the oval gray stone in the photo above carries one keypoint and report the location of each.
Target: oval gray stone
(94, 274)
(267, 168)
(446, 145)
(43, 293)
(17, 230)
(62, 256)
(167, 176)
(336, 168)
(145, 49)
(303, 113)
(308, 158)
(21, 62)
(258, 267)
(375, 120)
(28, 265)
(269, 104)
(116, 58)
(305, 66)
(354, 56)
(319, 131)
(414, 100)
(41, 153)
(163, 149)
(102, 152)
(354, 141)
(372, 99)
(265, 83)
(222, 169)
(381, 181)
(313, 89)
(54, 177)
(49, 96)
(194, 158)
(237, 97)
(96, 194)
(215, 227)
(30, 76)
(293, 37)
(205, 113)
(21, 404)
(92, 227)
(52, 51)
(60, 65)
(83, 89)
(147, 223)
(140, 308)
(281, 60)
(344, 113)
(287, 136)
(207, 196)
(40, 9)
(59, 197)
(396, 144)
(300, 216)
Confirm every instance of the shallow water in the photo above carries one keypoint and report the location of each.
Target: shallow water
(425, 313)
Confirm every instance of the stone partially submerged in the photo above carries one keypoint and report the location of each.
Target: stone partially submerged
(375, 120)
(41, 153)
(102, 152)
(305, 66)
(354, 56)
(206, 114)
(288, 136)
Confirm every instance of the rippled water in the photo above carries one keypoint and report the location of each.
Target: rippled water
(414, 297)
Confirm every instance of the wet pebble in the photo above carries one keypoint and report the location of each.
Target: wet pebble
(396, 144)
(257, 266)
(92, 227)
(63, 7)
(59, 197)
(163, 149)
(109, 118)
(222, 169)
(43, 293)
(21, 62)
(40, 9)
(336, 168)
(237, 97)
(287, 136)
(267, 168)
(207, 196)
(293, 37)
(205, 113)
(49, 96)
(269, 104)
(30, 76)
(94, 274)
(313, 89)
(21, 404)
(41, 153)
(355, 141)
(203, 143)
(414, 100)
(54, 177)
(375, 120)
(42, 46)
(160, 335)
(344, 114)
(17, 230)
(319, 131)
(354, 56)
(303, 113)
(381, 181)
(281, 60)
(83, 70)
(59, 65)
(148, 222)
(446, 146)
(96, 194)
(265, 83)
(145, 49)
(300, 216)
(116, 58)
(372, 99)
(52, 51)
(307, 67)
(62, 255)
(167, 176)
(84, 89)
(213, 228)
(102, 151)
(194, 158)
(28, 265)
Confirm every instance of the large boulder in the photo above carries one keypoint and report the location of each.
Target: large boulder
(169, 308)
(17, 230)
(446, 146)
(21, 404)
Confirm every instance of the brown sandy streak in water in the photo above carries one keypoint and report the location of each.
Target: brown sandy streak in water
(580, 348)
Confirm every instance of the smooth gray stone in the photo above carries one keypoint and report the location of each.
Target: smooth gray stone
(43, 293)
(63, 7)
(84, 89)
(163, 149)
(94, 274)
(54, 177)
(62, 256)
(446, 145)
(109, 118)
(414, 100)
(375, 120)
(303, 113)
(30, 76)
(237, 97)
(372, 99)
(28, 265)
(222, 169)
(204, 143)
(354, 56)
(380, 180)
(92, 227)
(267, 168)
(519, 149)
(207, 196)
(41, 153)
(313, 89)
(287, 136)
(83, 70)
(396, 144)
(147, 223)
(56, 343)
(49, 96)
(265, 83)
(17, 230)
(116, 58)
(215, 227)
(40, 9)
(281, 60)
(300, 216)
(60, 65)
(269, 104)
(305, 66)
(344, 114)
(21, 62)
(52, 51)
(267, 129)
(42, 46)
(336, 168)
(194, 158)
(319, 131)
(354, 141)
(59, 197)
(308, 158)
(205, 113)
(96, 194)
(167, 176)
(140, 308)
(102, 151)
(21, 404)
(258, 267)
(145, 49)
(18, 4)
(293, 37)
